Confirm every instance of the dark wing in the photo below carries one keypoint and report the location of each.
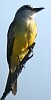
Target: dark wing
(10, 41)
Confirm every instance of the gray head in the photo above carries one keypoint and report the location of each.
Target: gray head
(28, 11)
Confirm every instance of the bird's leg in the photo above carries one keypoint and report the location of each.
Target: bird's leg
(31, 50)
(27, 57)
(20, 64)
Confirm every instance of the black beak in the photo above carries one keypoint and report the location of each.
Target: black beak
(38, 9)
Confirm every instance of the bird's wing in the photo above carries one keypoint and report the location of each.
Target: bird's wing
(10, 41)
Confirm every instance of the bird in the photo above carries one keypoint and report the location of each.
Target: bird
(21, 35)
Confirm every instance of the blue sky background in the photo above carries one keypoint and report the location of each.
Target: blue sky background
(34, 83)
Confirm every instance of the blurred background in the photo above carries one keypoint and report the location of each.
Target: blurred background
(34, 83)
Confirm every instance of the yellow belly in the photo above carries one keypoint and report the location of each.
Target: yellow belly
(24, 38)
(21, 42)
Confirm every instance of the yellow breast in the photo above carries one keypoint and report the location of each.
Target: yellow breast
(23, 39)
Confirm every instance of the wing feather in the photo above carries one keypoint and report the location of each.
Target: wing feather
(10, 41)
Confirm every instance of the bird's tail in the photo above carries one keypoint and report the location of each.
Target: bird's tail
(7, 88)
(11, 85)
(14, 88)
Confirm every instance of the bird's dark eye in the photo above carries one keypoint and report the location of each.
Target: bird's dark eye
(28, 7)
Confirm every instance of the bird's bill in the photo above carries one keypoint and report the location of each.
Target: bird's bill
(38, 9)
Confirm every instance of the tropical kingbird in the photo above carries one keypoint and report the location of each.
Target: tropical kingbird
(21, 34)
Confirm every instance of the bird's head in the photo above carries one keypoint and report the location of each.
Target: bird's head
(28, 11)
